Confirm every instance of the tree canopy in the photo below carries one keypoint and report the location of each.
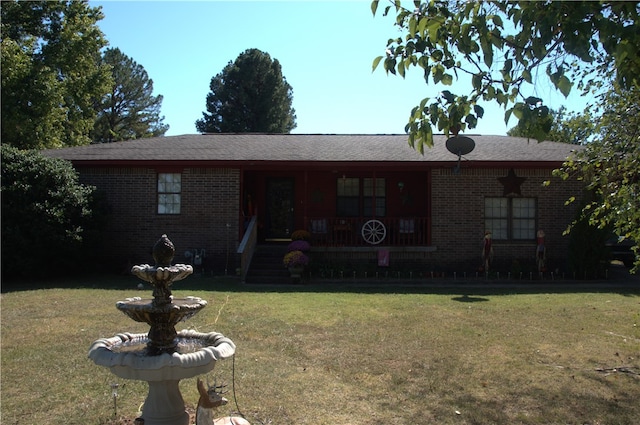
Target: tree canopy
(129, 110)
(52, 75)
(503, 46)
(557, 126)
(249, 95)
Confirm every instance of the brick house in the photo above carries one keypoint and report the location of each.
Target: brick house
(226, 195)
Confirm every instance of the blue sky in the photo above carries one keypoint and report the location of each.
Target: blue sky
(325, 48)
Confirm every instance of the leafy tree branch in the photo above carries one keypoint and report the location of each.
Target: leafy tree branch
(502, 45)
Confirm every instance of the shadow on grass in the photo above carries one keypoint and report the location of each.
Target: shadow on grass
(470, 290)
(467, 299)
(465, 292)
(545, 405)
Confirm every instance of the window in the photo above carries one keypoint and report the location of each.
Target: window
(496, 217)
(510, 218)
(348, 202)
(169, 189)
(375, 201)
(353, 199)
(524, 218)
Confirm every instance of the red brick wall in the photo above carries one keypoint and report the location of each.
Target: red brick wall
(209, 217)
(458, 221)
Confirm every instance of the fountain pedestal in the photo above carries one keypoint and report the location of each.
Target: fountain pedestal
(163, 356)
(164, 404)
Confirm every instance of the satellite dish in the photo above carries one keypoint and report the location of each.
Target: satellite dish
(460, 145)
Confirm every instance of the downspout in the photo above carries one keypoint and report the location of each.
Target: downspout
(429, 192)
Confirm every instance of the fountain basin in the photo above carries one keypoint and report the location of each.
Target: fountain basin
(125, 355)
(153, 274)
(144, 310)
(162, 318)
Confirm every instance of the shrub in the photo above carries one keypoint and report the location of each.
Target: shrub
(588, 253)
(46, 215)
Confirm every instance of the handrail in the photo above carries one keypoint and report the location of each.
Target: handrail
(247, 247)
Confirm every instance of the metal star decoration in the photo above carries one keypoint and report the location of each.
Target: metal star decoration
(511, 183)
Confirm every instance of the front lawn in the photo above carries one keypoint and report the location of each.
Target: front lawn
(359, 357)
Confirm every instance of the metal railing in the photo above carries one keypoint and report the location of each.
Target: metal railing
(248, 246)
(382, 231)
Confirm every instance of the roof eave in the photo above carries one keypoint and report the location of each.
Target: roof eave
(315, 164)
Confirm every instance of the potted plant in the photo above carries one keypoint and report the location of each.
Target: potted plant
(295, 259)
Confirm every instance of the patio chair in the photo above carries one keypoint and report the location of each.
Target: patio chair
(407, 230)
(319, 229)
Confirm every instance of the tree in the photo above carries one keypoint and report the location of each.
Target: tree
(46, 215)
(501, 46)
(249, 95)
(571, 127)
(557, 126)
(538, 127)
(129, 110)
(51, 72)
(610, 167)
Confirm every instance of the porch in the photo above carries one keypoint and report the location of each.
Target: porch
(340, 208)
(341, 245)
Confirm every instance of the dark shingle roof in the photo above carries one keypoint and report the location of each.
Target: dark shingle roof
(307, 147)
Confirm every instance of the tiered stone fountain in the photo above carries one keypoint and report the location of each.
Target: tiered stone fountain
(163, 356)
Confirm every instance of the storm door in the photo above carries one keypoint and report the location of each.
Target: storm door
(280, 201)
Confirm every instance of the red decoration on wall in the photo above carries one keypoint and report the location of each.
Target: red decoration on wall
(511, 183)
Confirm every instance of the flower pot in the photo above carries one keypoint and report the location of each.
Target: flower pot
(296, 273)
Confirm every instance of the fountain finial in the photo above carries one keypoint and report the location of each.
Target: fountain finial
(163, 252)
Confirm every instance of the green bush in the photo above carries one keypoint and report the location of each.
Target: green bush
(46, 215)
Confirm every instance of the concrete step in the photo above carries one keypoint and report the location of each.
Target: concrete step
(266, 265)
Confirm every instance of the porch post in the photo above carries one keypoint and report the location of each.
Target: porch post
(373, 203)
(305, 200)
(241, 218)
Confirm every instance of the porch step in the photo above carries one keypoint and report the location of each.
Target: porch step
(266, 265)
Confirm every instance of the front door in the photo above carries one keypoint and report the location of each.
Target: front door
(280, 201)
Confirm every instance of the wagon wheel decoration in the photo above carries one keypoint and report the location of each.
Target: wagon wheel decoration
(373, 232)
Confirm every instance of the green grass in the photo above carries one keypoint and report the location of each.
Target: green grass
(330, 357)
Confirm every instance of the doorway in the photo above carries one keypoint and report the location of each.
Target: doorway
(280, 203)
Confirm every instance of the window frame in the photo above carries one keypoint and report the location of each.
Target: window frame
(346, 199)
(168, 193)
(367, 200)
(516, 220)
(374, 197)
